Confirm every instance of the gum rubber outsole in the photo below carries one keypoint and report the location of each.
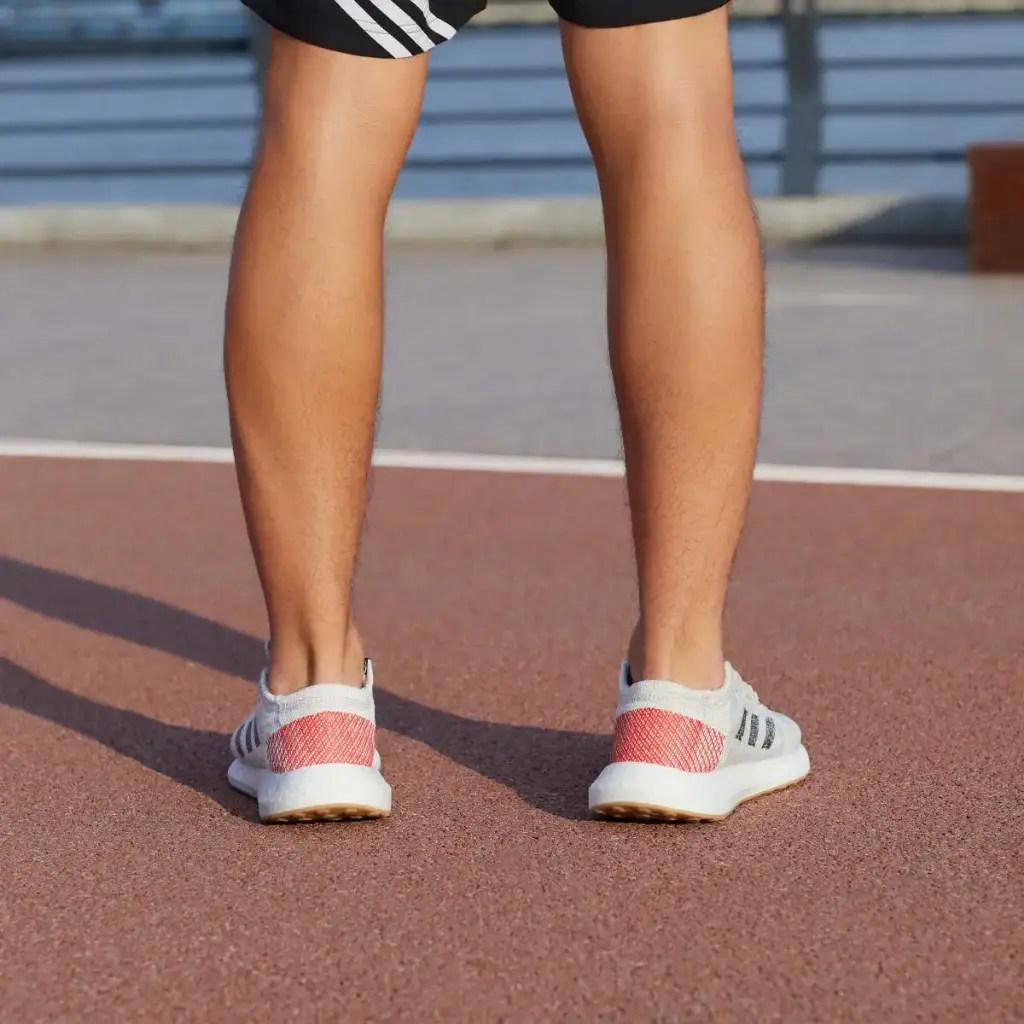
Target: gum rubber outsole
(648, 812)
(327, 812)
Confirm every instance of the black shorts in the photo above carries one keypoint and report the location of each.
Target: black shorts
(402, 28)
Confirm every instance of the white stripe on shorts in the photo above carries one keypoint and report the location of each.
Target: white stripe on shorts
(434, 23)
(404, 22)
(373, 29)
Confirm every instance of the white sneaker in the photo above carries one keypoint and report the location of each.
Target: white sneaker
(682, 753)
(311, 755)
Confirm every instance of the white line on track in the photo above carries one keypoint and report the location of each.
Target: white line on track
(112, 451)
(17, 447)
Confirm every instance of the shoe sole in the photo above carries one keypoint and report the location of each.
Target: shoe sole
(650, 792)
(325, 792)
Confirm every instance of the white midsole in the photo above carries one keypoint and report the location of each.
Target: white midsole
(711, 794)
(321, 785)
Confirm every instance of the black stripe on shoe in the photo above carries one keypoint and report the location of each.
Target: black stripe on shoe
(236, 741)
(769, 734)
(743, 726)
(249, 746)
(752, 741)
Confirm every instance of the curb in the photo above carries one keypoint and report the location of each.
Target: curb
(877, 219)
(784, 221)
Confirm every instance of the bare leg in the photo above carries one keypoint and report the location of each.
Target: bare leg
(686, 312)
(303, 339)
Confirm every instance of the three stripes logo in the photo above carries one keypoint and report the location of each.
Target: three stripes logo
(246, 739)
(400, 27)
(751, 734)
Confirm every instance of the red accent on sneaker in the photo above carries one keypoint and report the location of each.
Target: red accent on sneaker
(653, 736)
(327, 737)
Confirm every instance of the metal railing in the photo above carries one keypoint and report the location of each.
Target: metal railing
(805, 114)
(800, 21)
(125, 26)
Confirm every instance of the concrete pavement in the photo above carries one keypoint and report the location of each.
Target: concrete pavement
(878, 358)
(884, 888)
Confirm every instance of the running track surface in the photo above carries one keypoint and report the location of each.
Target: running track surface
(139, 887)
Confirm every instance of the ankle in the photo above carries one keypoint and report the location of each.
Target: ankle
(696, 661)
(297, 662)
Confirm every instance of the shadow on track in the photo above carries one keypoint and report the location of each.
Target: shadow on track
(549, 768)
(193, 757)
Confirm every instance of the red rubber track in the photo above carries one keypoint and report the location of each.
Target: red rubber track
(138, 886)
